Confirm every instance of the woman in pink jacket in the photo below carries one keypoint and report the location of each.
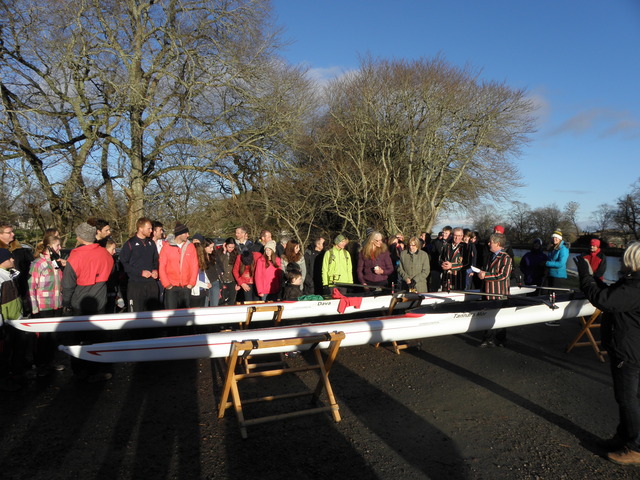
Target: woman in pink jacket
(268, 273)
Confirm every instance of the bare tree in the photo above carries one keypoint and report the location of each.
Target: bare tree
(519, 217)
(399, 142)
(571, 216)
(545, 220)
(627, 213)
(602, 218)
(121, 93)
(484, 219)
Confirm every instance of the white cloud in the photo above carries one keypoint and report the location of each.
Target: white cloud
(542, 106)
(605, 122)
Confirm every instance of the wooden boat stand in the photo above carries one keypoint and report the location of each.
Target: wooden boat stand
(277, 314)
(322, 367)
(277, 319)
(586, 326)
(415, 301)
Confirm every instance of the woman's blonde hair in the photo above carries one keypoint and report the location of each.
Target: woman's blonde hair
(631, 258)
(370, 250)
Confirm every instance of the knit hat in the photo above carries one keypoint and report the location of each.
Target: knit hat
(498, 229)
(537, 241)
(338, 239)
(180, 229)
(246, 257)
(86, 232)
(557, 234)
(197, 237)
(595, 242)
(270, 244)
(5, 255)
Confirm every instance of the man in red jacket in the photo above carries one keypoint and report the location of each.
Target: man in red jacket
(84, 283)
(596, 259)
(84, 292)
(178, 269)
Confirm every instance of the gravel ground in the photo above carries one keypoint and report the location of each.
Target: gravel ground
(446, 410)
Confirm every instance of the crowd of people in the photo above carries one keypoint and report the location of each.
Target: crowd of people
(155, 270)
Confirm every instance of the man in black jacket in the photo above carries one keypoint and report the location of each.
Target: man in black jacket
(139, 257)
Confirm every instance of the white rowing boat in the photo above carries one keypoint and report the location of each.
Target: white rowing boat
(232, 314)
(422, 322)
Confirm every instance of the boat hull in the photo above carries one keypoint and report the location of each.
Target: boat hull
(223, 315)
(422, 322)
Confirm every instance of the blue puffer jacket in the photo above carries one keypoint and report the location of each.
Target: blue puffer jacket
(557, 262)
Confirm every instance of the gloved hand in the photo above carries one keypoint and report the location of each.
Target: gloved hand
(584, 269)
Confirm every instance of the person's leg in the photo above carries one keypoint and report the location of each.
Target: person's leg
(626, 381)
(214, 294)
(171, 296)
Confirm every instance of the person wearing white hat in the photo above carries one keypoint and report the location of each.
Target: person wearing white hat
(556, 264)
(268, 272)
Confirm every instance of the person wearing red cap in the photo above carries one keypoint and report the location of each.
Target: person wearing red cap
(506, 248)
(596, 259)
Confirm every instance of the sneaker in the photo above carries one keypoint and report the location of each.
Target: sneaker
(625, 457)
(487, 344)
(555, 323)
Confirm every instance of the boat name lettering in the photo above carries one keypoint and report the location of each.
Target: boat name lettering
(323, 303)
(472, 314)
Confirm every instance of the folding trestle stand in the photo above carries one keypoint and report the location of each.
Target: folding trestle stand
(322, 367)
(415, 301)
(585, 330)
(277, 320)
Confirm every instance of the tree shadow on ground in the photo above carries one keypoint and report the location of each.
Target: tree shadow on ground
(157, 430)
(587, 439)
(315, 447)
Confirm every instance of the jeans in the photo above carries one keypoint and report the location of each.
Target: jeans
(626, 381)
(177, 297)
(214, 294)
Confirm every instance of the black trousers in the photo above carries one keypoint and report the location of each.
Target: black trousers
(177, 297)
(143, 296)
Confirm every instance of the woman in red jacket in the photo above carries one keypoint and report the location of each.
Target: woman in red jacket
(268, 273)
(243, 271)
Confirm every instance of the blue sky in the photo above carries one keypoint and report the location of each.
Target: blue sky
(579, 60)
